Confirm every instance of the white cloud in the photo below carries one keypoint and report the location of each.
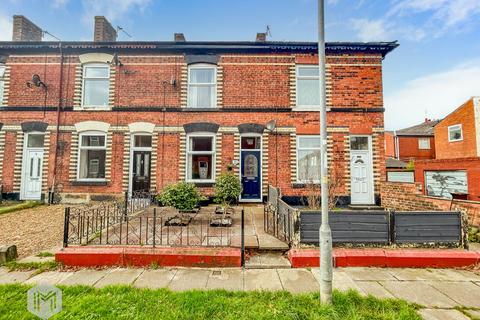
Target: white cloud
(5, 27)
(371, 30)
(437, 94)
(57, 4)
(112, 9)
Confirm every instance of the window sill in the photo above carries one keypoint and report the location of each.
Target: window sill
(89, 183)
(306, 109)
(203, 109)
(300, 185)
(204, 184)
(92, 108)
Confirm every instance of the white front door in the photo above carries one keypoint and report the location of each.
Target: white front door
(361, 171)
(32, 167)
(33, 174)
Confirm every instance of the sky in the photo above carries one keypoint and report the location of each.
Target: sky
(435, 69)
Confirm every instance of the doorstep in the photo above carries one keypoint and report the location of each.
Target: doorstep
(391, 258)
(82, 256)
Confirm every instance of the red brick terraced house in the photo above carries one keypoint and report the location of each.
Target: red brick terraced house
(89, 120)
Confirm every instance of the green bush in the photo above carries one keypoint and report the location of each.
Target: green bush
(474, 234)
(182, 196)
(227, 189)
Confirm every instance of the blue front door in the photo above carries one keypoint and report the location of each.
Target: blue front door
(251, 174)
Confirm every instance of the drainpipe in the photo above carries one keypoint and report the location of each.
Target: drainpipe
(57, 131)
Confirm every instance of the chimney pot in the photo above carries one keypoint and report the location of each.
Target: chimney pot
(261, 37)
(103, 30)
(25, 30)
(179, 37)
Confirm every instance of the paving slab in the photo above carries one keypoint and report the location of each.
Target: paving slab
(298, 280)
(375, 289)
(3, 271)
(189, 279)
(464, 293)
(341, 280)
(35, 259)
(15, 277)
(49, 277)
(119, 276)
(418, 292)
(85, 277)
(369, 274)
(453, 275)
(442, 314)
(154, 279)
(268, 260)
(262, 279)
(414, 274)
(226, 279)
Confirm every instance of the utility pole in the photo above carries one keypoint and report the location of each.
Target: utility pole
(325, 231)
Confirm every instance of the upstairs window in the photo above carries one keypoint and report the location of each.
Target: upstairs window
(96, 85)
(455, 133)
(202, 86)
(424, 143)
(2, 82)
(308, 87)
(200, 158)
(92, 154)
(308, 159)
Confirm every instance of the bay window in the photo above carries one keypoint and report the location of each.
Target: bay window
(308, 159)
(202, 86)
(92, 153)
(201, 158)
(96, 85)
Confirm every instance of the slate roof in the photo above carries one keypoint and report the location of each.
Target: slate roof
(395, 163)
(423, 129)
(199, 47)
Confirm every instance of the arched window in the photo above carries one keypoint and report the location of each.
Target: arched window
(96, 85)
(202, 86)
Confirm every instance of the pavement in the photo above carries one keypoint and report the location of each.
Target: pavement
(440, 292)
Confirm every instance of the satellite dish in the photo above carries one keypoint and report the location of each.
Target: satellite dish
(36, 81)
(271, 125)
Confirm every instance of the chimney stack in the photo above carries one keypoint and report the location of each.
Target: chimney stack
(104, 32)
(179, 37)
(261, 37)
(25, 30)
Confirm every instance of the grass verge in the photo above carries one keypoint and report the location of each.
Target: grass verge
(39, 267)
(122, 302)
(21, 206)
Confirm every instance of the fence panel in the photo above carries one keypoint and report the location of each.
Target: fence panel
(347, 227)
(428, 227)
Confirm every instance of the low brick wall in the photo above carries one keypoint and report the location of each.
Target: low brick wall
(408, 197)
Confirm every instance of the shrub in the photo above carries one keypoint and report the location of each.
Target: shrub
(182, 196)
(227, 189)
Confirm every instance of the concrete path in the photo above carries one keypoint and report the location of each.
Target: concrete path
(438, 291)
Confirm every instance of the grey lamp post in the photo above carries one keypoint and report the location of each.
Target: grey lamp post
(325, 231)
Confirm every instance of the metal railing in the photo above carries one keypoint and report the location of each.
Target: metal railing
(81, 224)
(279, 217)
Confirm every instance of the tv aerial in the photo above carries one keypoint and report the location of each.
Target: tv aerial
(123, 31)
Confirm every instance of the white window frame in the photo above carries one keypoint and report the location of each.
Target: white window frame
(2, 82)
(426, 145)
(454, 127)
(298, 77)
(198, 66)
(305, 149)
(80, 148)
(84, 79)
(189, 153)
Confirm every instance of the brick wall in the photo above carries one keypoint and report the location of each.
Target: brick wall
(389, 144)
(409, 149)
(466, 148)
(409, 197)
(471, 165)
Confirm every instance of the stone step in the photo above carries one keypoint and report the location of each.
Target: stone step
(267, 260)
